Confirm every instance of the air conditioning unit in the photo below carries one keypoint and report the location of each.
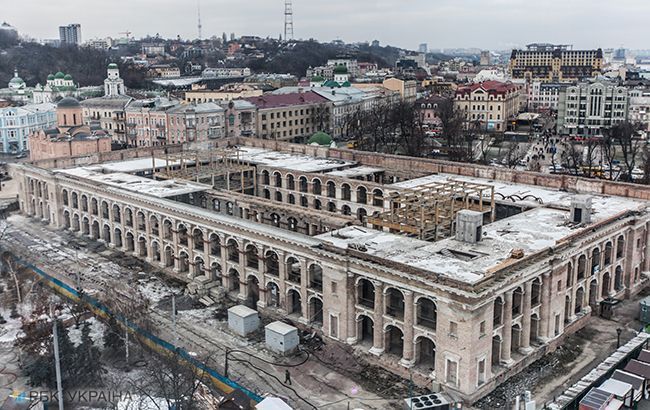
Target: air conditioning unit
(434, 401)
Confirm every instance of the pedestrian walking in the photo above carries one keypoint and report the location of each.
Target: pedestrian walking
(287, 377)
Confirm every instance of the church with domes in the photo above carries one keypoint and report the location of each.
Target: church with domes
(57, 86)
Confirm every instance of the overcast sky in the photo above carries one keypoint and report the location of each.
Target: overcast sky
(493, 24)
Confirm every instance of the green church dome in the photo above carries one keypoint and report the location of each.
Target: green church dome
(67, 77)
(320, 138)
(59, 75)
(317, 79)
(50, 77)
(16, 80)
(112, 65)
(340, 69)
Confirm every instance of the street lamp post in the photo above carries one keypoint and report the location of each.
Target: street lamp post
(618, 337)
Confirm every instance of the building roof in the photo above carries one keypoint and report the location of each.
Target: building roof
(644, 356)
(630, 378)
(285, 160)
(112, 65)
(59, 75)
(616, 387)
(639, 368)
(68, 102)
(286, 100)
(112, 102)
(340, 69)
(280, 327)
(491, 87)
(202, 108)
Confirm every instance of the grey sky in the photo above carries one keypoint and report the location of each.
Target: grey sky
(494, 24)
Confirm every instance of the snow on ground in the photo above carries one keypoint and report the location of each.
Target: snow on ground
(155, 291)
(11, 330)
(96, 332)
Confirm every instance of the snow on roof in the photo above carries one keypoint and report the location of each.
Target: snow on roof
(272, 403)
(532, 231)
(160, 189)
(133, 165)
(242, 311)
(294, 162)
(280, 327)
(603, 206)
(355, 172)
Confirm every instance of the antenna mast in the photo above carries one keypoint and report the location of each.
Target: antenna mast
(288, 20)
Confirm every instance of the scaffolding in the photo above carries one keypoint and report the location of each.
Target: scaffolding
(222, 168)
(428, 211)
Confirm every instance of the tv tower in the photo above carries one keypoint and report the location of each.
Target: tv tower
(198, 5)
(288, 20)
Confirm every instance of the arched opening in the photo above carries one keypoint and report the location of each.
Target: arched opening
(582, 266)
(266, 194)
(516, 338)
(128, 217)
(64, 194)
(253, 291)
(117, 237)
(75, 203)
(394, 341)
(182, 235)
(315, 277)
(273, 295)
(75, 223)
(84, 203)
(278, 196)
(331, 189)
(293, 270)
(275, 220)
(272, 264)
(567, 309)
(593, 294)
(85, 226)
(183, 262)
(155, 250)
(232, 250)
(142, 247)
(233, 276)
(130, 242)
(197, 238)
(104, 210)
(427, 313)
(331, 207)
(317, 204)
(66, 220)
(94, 208)
(366, 330)
(117, 216)
(95, 233)
(362, 195)
(292, 224)
(303, 184)
(620, 246)
(215, 245)
(595, 261)
(496, 351)
(361, 215)
(215, 272)
(378, 198)
(608, 254)
(291, 199)
(106, 234)
(291, 182)
(294, 303)
(366, 293)
(604, 292)
(580, 297)
(169, 257)
(316, 186)
(141, 221)
(252, 260)
(216, 205)
(534, 328)
(569, 275)
(497, 312)
(266, 178)
(316, 311)
(199, 265)
(345, 210)
(278, 179)
(618, 279)
(304, 202)
(346, 193)
(517, 298)
(394, 303)
(154, 226)
(536, 292)
(425, 353)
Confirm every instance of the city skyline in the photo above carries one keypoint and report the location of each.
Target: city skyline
(499, 25)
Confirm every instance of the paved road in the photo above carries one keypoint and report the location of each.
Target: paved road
(199, 333)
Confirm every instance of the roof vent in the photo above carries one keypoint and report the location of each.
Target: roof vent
(469, 226)
(581, 209)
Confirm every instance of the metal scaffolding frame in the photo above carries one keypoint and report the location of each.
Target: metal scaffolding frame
(428, 211)
(220, 167)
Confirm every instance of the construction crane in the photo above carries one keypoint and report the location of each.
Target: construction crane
(127, 33)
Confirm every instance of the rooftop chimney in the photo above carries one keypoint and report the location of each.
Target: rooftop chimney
(469, 226)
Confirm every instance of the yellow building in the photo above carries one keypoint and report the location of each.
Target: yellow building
(491, 104)
(555, 63)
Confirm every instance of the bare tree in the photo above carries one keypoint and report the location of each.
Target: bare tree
(625, 135)
(608, 150)
(452, 120)
(571, 158)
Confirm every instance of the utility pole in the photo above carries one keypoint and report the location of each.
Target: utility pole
(174, 314)
(57, 363)
(288, 20)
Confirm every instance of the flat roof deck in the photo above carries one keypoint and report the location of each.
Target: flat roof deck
(134, 183)
(531, 231)
(354, 172)
(134, 165)
(294, 162)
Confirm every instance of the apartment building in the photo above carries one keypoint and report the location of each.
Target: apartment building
(555, 63)
(491, 103)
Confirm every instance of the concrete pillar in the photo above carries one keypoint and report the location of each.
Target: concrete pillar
(282, 286)
(190, 251)
(525, 319)
(507, 329)
(304, 305)
(351, 325)
(378, 325)
(407, 353)
(176, 253)
(544, 309)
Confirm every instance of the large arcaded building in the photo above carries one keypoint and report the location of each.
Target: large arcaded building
(555, 63)
(463, 274)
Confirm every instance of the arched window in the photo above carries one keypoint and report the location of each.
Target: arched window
(233, 250)
(272, 263)
(278, 179)
(252, 261)
(316, 277)
(582, 266)
(620, 247)
(498, 312)
(293, 270)
(303, 184)
(331, 189)
(427, 313)
(291, 182)
(395, 303)
(378, 197)
(536, 292)
(362, 195)
(265, 178)
(316, 186)
(346, 194)
(595, 261)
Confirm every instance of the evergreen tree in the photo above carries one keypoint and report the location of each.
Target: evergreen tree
(89, 368)
(113, 337)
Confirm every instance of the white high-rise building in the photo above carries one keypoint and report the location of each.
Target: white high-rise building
(113, 84)
(70, 34)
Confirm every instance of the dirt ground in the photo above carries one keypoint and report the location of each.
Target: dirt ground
(549, 376)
